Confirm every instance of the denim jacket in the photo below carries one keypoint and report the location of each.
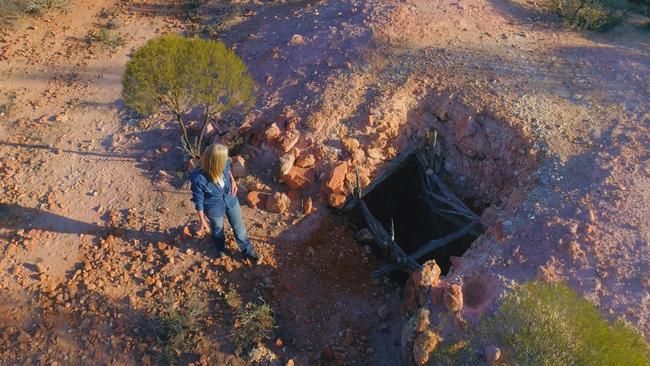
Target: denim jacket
(210, 197)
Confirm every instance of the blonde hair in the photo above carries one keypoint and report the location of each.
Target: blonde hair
(213, 161)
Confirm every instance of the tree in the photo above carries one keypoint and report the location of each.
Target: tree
(176, 73)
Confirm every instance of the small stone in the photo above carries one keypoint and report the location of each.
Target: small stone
(255, 199)
(350, 144)
(286, 163)
(492, 354)
(278, 203)
(306, 160)
(297, 40)
(272, 133)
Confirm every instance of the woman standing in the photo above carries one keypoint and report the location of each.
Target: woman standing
(214, 193)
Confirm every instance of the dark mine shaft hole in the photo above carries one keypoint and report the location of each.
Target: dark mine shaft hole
(399, 199)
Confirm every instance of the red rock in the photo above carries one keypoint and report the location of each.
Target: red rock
(255, 199)
(453, 298)
(424, 346)
(336, 200)
(238, 167)
(278, 203)
(299, 178)
(306, 160)
(286, 163)
(336, 179)
(289, 140)
(272, 133)
(350, 144)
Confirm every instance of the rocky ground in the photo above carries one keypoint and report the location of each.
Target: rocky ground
(546, 127)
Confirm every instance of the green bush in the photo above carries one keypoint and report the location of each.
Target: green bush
(550, 324)
(173, 326)
(595, 15)
(11, 10)
(177, 73)
(253, 324)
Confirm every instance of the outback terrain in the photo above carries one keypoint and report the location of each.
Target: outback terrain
(544, 128)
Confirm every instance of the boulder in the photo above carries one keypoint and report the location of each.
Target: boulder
(299, 178)
(278, 203)
(238, 167)
(336, 178)
(272, 133)
(256, 199)
(424, 346)
(288, 140)
(286, 163)
(350, 144)
(452, 297)
(306, 160)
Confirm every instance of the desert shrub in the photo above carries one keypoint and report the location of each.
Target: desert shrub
(253, 323)
(550, 324)
(107, 38)
(595, 15)
(6, 103)
(11, 10)
(177, 73)
(173, 326)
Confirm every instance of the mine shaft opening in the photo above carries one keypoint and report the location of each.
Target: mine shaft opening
(402, 206)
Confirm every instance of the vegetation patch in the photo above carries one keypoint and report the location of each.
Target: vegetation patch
(550, 324)
(595, 15)
(253, 324)
(178, 74)
(12, 10)
(175, 324)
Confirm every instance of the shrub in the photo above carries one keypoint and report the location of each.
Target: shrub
(550, 324)
(173, 326)
(253, 324)
(596, 15)
(178, 73)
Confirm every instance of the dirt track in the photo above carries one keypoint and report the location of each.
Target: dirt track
(560, 152)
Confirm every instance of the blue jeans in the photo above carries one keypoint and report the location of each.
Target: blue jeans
(233, 212)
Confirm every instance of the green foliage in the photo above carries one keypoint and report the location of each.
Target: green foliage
(595, 15)
(550, 324)
(106, 37)
(178, 73)
(173, 326)
(11, 10)
(253, 324)
(6, 103)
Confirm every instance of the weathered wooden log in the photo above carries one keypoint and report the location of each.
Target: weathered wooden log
(383, 239)
(426, 249)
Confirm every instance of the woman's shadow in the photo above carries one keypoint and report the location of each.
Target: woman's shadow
(14, 217)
